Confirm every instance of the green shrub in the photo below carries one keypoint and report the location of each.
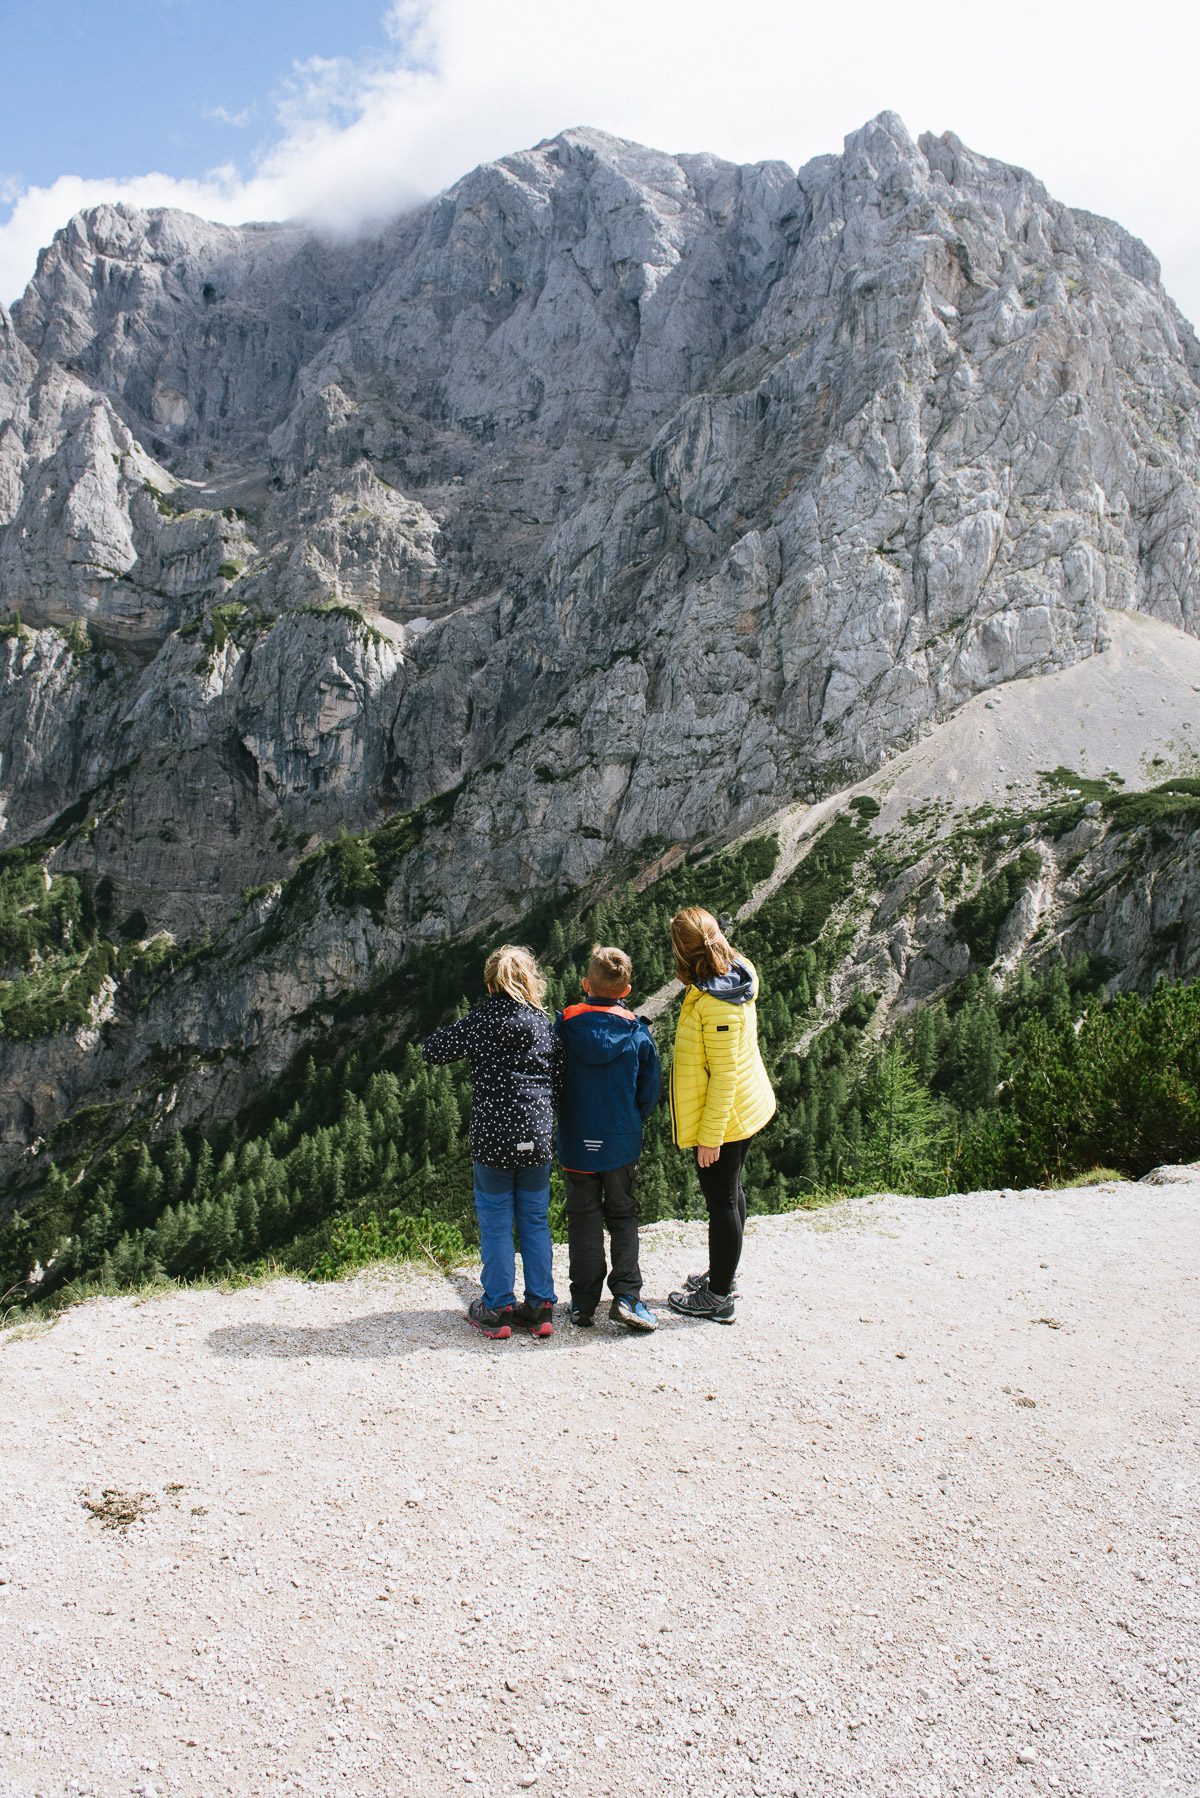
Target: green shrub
(352, 863)
(221, 623)
(1174, 802)
(1087, 787)
(979, 920)
(57, 996)
(1118, 1087)
(39, 913)
(398, 1237)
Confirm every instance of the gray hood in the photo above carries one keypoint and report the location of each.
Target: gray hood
(736, 987)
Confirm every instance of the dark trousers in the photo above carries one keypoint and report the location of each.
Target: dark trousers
(721, 1185)
(596, 1202)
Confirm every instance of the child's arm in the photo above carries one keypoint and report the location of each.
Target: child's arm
(451, 1042)
(556, 1066)
(649, 1076)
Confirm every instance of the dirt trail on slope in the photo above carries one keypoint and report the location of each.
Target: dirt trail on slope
(1113, 712)
(922, 1522)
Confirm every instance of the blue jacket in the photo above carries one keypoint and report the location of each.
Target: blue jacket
(611, 1082)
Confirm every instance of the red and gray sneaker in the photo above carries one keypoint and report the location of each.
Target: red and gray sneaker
(537, 1316)
(496, 1324)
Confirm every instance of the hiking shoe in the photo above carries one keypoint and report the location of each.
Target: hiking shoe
(583, 1320)
(536, 1316)
(630, 1311)
(496, 1324)
(697, 1283)
(704, 1303)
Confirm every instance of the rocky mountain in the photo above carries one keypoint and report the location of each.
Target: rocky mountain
(598, 509)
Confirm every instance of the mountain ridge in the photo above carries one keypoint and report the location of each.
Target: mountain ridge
(596, 510)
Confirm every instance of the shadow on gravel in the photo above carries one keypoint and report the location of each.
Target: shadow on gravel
(384, 1335)
(379, 1335)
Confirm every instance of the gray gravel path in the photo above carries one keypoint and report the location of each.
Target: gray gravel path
(923, 1522)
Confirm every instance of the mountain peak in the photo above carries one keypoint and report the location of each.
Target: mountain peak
(611, 499)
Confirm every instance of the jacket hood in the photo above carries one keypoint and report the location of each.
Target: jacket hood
(736, 987)
(597, 1034)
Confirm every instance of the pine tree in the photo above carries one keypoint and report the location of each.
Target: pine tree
(556, 944)
(247, 1214)
(904, 1136)
(203, 1180)
(145, 1188)
(177, 1169)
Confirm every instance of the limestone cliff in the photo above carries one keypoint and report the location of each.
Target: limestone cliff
(608, 500)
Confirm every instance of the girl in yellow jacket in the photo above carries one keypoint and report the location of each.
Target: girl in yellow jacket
(720, 1097)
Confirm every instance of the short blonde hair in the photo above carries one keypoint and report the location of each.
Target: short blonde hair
(699, 946)
(610, 972)
(513, 969)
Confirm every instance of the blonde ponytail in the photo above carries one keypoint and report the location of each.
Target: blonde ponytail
(513, 970)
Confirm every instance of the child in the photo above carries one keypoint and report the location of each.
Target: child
(611, 1082)
(510, 1047)
(721, 1097)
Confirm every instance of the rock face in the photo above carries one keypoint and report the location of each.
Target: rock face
(612, 496)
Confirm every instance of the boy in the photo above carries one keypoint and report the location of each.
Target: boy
(611, 1081)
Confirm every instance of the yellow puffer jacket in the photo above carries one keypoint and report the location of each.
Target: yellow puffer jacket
(719, 1087)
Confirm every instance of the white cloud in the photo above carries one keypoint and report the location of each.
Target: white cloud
(223, 116)
(1048, 84)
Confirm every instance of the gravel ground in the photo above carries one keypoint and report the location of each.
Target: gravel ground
(923, 1522)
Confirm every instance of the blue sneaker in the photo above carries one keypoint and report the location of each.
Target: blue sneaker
(583, 1320)
(632, 1313)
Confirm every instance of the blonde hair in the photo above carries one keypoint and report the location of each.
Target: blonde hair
(699, 946)
(513, 970)
(610, 972)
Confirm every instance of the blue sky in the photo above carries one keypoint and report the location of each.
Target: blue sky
(135, 85)
(350, 111)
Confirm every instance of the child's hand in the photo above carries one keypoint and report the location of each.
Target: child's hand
(705, 1156)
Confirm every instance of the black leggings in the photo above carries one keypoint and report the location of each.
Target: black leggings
(721, 1185)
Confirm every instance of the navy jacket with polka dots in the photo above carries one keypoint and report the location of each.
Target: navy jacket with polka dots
(514, 1064)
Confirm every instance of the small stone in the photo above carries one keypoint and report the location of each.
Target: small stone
(1026, 1757)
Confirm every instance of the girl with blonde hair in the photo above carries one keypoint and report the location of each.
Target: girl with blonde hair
(720, 1096)
(508, 1043)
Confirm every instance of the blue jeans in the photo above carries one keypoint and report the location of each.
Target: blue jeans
(504, 1196)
